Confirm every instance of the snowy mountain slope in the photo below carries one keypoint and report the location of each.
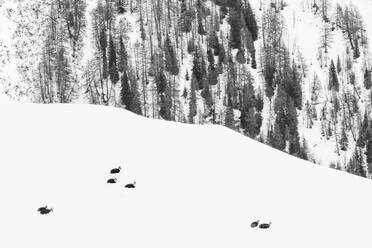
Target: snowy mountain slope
(24, 41)
(191, 191)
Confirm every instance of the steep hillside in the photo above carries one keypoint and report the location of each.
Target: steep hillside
(294, 74)
(191, 191)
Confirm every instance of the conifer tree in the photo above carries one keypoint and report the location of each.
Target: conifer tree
(235, 29)
(250, 122)
(199, 69)
(187, 77)
(278, 140)
(356, 49)
(123, 56)
(333, 79)
(161, 82)
(103, 46)
(344, 140)
(339, 68)
(356, 164)
(367, 79)
(186, 18)
(364, 132)
(125, 93)
(229, 118)
(213, 40)
(250, 21)
(136, 102)
(171, 63)
(113, 70)
(192, 100)
(240, 56)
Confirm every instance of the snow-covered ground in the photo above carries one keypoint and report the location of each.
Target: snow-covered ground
(191, 191)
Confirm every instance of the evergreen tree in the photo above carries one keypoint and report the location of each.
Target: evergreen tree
(136, 102)
(339, 68)
(367, 79)
(187, 77)
(186, 18)
(192, 100)
(344, 143)
(125, 93)
(199, 69)
(165, 104)
(235, 29)
(171, 63)
(103, 46)
(161, 82)
(213, 40)
(250, 119)
(250, 21)
(278, 141)
(123, 57)
(207, 95)
(333, 79)
(304, 152)
(240, 56)
(229, 118)
(364, 132)
(184, 93)
(113, 70)
(356, 49)
(356, 164)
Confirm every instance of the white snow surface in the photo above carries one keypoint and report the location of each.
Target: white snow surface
(191, 191)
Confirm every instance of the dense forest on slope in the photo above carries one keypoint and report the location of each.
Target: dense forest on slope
(295, 75)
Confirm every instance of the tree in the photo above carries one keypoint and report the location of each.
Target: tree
(356, 164)
(198, 69)
(250, 21)
(235, 28)
(136, 102)
(356, 49)
(240, 57)
(339, 68)
(125, 92)
(171, 63)
(344, 140)
(367, 79)
(229, 118)
(103, 46)
(333, 79)
(113, 70)
(123, 56)
(192, 100)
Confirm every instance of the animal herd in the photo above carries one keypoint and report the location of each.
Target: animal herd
(114, 180)
(261, 226)
(46, 210)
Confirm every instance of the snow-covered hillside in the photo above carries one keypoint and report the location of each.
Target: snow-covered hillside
(294, 74)
(191, 191)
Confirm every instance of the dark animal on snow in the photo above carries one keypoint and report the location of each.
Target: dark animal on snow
(131, 185)
(45, 210)
(112, 180)
(265, 225)
(42, 208)
(255, 224)
(116, 170)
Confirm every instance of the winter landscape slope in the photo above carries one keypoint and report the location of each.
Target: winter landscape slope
(32, 62)
(191, 191)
